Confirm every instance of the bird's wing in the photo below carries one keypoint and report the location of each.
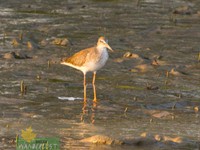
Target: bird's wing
(79, 58)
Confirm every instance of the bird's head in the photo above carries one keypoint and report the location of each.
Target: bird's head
(102, 42)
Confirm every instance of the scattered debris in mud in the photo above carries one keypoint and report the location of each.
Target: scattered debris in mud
(150, 84)
(144, 140)
(16, 55)
(61, 41)
(101, 139)
(184, 10)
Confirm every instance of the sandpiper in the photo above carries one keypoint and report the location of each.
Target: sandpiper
(89, 60)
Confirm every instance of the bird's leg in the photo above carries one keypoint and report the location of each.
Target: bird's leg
(94, 88)
(84, 85)
(94, 108)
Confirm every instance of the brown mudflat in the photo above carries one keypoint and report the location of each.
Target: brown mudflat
(152, 93)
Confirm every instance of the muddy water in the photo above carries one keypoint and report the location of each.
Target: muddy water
(136, 99)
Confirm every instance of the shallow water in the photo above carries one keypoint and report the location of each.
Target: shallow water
(131, 92)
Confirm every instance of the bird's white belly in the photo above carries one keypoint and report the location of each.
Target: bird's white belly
(98, 63)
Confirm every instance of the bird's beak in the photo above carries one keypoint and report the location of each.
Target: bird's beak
(107, 46)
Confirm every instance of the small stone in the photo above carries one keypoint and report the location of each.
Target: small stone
(9, 55)
(17, 55)
(150, 87)
(101, 139)
(64, 42)
(134, 70)
(196, 109)
(183, 10)
(161, 114)
(154, 63)
(175, 140)
(38, 77)
(174, 72)
(127, 55)
(135, 55)
(15, 42)
(143, 67)
(37, 116)
(148, 49)
(157, 137)
(130, 55)
(118, 60)
(43, 43)
(144, 134)
(20, 55)
(32, 45)
(29, 45)
(57, 41)
(198, 13)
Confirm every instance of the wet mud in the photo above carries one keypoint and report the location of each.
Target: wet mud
(148, 92)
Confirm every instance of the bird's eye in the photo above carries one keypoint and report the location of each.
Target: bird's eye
(102, 41)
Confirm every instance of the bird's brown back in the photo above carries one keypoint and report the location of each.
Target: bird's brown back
(79, 58)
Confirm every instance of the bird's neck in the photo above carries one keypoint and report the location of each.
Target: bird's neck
(101, 49)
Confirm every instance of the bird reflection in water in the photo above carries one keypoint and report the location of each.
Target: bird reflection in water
(88, 112)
